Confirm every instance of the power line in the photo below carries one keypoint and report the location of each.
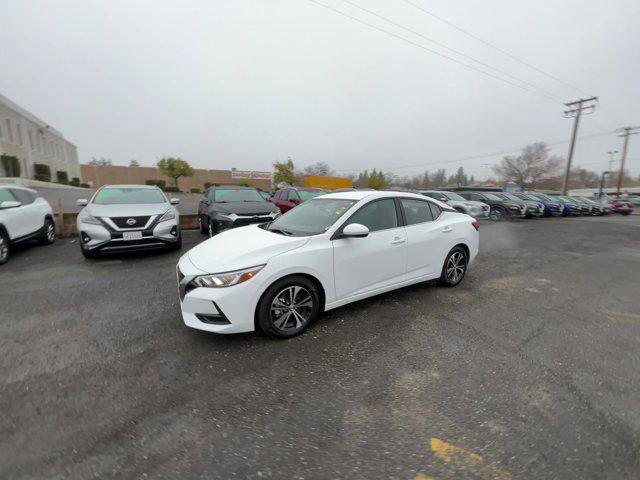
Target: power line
(370, 25)
(498, 49)
(442, 45)
(476, 157)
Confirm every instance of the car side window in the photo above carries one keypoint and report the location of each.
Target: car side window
(435, 210)
(276, 196)
(377, 215)
(293, 196)
(23, 196)
(416, 211)
(6, 195)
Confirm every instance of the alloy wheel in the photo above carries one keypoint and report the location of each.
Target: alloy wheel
(4, 249)
(291, 308)
(456, 266)
(51, 232)
(211, 232)
(496, 214)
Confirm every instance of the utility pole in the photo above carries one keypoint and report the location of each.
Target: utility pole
(627, 132)
(576, 109)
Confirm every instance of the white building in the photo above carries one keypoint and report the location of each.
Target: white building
(33, 141)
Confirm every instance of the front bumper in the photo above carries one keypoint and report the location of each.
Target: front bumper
(225, 222)
(104, 239)
(218, 310)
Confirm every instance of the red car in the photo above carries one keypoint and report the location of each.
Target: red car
(621, 206)
(288, 198)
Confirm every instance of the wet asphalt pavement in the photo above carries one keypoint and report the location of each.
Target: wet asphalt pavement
(528, 370)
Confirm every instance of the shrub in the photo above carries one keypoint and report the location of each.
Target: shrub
(75, 182)
(11, 165)
(171, 189)
(42, 172)
(62, 177)
(195, 190)
(158, 183)
(85, 185)
(207, 185)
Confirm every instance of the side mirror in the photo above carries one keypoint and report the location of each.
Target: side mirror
(355, 230)
(174, 201)
(82, 202)
(9, 204)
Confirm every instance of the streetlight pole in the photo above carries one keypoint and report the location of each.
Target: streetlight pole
(602, 183)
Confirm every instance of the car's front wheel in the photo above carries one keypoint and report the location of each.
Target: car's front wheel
(4, 248)
(288, 307)
(497, 214)
(454, 268)
(48, 235)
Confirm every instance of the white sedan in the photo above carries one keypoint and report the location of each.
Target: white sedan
(329, 251)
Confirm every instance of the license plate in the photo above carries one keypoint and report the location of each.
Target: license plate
(131, 235)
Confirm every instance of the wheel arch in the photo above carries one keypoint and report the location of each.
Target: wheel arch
(310, 277)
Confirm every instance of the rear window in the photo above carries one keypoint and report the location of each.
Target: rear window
(128, 196)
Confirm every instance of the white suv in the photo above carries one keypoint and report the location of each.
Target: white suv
(23, 216)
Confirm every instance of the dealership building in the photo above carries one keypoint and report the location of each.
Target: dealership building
(33, 141)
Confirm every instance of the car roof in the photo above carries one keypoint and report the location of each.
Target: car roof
(19, 187)
(373, 194)
(147, 187)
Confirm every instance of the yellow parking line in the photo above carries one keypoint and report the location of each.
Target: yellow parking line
(467, 461)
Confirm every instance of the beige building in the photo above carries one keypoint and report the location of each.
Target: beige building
(32, 140)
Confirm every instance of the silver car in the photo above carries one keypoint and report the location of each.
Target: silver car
(470, 207)
(122, 218)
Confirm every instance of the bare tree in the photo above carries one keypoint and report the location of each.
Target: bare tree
(532, 165)
(319, 168)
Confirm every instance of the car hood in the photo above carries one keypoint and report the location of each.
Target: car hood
(127, 210)
(245, 208)
(241, 248)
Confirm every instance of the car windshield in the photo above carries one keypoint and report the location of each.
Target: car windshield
(569, 199)
(510, 196)
(555, 198)
(128, 196)
(491, 196)
(453, 196)
(526, 196)
(538, 196)
(237, 195)
(309, 194)
(587, 200)
(312, 217)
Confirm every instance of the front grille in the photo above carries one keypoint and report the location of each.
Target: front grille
(241, 222)
(121, 222)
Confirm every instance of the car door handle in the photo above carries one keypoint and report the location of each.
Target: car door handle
(447, 229)
(397, 240)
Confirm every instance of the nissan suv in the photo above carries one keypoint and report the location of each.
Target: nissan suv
(230, 206)
(23, 216)
(499, 208)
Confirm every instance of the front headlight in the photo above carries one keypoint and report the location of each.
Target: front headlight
(227, 279)
(168, 215)
(88, 219)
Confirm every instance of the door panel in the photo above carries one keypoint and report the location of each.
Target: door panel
(31, 212)
(375, 261)
(11, 217)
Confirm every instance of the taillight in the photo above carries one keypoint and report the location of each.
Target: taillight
(476, 225)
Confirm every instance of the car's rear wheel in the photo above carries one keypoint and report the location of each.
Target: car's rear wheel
(48, 232)
(454, 268)
(288, 307)
(202, 224)
(497, 214)
(4, 248)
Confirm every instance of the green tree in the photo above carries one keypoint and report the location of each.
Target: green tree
(175, 167)
(134, 163)
(11, 165)
(439, 179)
(284, 172)
(460, 178)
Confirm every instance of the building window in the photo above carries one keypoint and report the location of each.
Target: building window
(19, 133)
(31, 139)
(10, 132)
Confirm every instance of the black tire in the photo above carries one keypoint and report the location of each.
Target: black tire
(625, 213)
(212, 230)
(203, 225)
(48, 235)
(293, 321)
(5, 248)
(498, 214)
(451, 274)
(88, 254)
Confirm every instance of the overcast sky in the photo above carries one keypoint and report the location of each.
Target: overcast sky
(243, 83)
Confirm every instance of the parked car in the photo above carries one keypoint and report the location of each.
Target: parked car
(569, 208)
(121, 218)
(24, 216)
(535, 208)
(635, 201)
(551, 208)
(499, 208)
(228, 206)
(596, 208)
(584, 208)
(605, 204)
(470, 207)
(290, 197)
(331, 250)
(623, 207)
